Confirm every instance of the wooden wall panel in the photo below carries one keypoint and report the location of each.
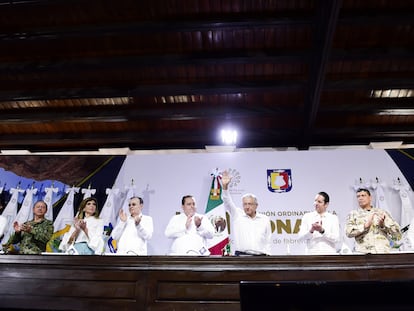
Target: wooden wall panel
(173, 283)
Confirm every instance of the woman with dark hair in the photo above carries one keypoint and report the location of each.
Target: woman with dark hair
(85, 235)
(320, 228)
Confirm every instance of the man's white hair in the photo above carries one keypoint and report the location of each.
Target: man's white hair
(250, 195)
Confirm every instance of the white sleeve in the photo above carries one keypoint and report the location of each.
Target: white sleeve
(145, 227)
(119, 228)
(3, 225)
(95, 232)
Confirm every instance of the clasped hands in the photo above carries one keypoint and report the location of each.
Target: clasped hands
(123, 216)
(316, 226)
(79, 224)
(376, 218)
(197, 221)
(25, 227)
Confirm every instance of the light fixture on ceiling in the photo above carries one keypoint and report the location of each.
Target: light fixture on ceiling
(229, 136)
(396, 112)
(15, 152)
(392, 93)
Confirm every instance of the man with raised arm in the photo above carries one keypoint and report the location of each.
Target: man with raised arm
(251, 230)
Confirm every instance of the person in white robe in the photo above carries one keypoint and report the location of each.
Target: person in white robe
(320, 228)
(133, 232)
(189, 230)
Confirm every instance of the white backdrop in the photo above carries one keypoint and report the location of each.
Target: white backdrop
(163, 179)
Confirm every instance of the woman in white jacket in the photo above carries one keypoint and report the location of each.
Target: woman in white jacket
(85, 234)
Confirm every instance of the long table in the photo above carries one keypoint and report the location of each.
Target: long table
(64, 282)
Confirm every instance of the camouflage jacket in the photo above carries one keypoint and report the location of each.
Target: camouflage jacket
(374, 239)
(33, 242)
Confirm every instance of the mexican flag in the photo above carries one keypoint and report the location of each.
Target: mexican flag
(216, 213)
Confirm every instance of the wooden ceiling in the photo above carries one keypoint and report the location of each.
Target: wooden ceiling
(169, 74)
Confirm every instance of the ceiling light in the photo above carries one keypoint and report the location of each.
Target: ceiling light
(392, 93)
(396, 112)
(15, 152)
(229, 137)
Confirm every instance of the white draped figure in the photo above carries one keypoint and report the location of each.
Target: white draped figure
(407, 212)
(3, 220)
(10, 212)
(108, 212)
(130, 192)
(66, 214)
(360, 183)
(407, 215)
(109, 215)
(50, 191)
(380, 201)
(88, 192)
(26, 210)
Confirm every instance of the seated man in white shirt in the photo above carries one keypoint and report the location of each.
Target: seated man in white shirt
(319, 228)
(189, 230)
(133, 232)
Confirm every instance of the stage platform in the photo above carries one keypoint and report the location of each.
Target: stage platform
(160, 283)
